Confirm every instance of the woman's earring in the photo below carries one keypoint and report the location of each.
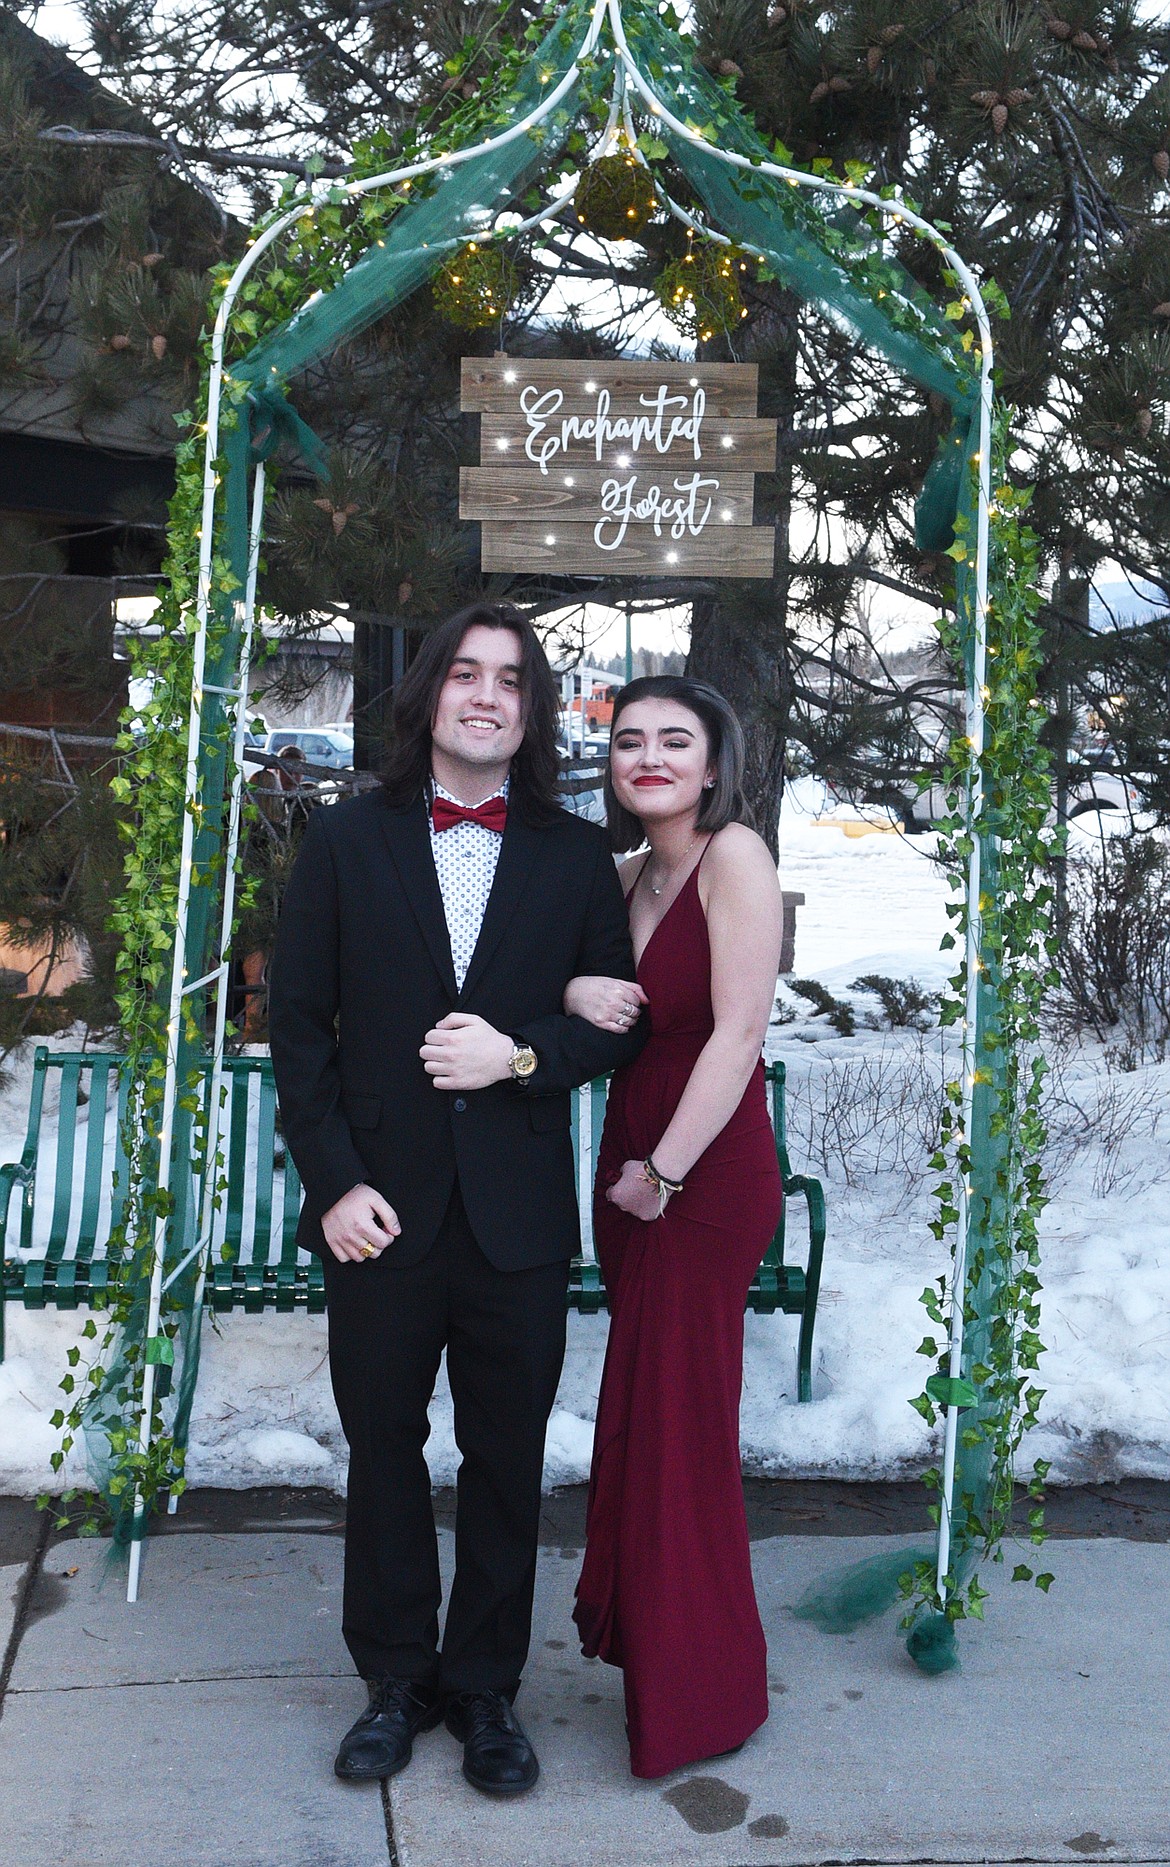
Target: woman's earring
(709, 784)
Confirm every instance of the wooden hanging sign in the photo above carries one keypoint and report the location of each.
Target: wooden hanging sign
(642, 468)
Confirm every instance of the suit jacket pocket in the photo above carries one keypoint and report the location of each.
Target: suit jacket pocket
(547, 1114)
(362, 1111)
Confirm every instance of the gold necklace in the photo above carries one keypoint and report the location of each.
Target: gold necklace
(673, 872)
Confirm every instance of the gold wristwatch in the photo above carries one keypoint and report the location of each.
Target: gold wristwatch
(522, 1062)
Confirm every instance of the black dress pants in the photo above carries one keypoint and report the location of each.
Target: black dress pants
(504, 1332)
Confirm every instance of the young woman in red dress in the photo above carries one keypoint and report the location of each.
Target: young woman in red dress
(686, 1202)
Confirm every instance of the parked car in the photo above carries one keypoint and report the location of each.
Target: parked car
(321, 745)
(1098, 789)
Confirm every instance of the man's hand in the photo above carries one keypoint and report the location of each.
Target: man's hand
(465, 1052)
(360, 1225)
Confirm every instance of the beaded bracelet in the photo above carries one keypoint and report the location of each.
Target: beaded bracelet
(662, 1186)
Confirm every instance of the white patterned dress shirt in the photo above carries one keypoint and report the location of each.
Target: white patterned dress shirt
(465, 862)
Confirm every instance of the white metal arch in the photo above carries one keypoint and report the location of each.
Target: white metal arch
(895, 211)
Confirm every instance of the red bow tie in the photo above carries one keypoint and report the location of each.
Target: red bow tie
(492, 813)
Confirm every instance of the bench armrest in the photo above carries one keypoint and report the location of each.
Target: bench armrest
(12, 1173)
(814, 1194)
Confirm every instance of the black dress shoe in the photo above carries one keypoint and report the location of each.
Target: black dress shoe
(497, 1757)
(381, 1741)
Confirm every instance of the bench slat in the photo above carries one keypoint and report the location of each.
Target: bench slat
(264, 1166)
(121, 1180)
(237, 1142)
(63, 1183)
(95, 1147)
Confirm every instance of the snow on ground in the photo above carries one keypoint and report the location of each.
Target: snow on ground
(861, 1110)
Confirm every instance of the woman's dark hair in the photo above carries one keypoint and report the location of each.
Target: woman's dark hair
(724, 802)
(536, 765)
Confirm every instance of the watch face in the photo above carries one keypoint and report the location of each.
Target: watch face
(523, 1062)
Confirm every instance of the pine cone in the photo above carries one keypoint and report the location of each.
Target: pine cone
(929, 71)
(158, 346)
(999, 118)
(152, 259)
(405, 592)
(1014, 99)
(1161, 161)
(120, 342)
(1143, 422)
(340, 515)
(890, 33)
(777, 15)
(1162, 310)
(873, 58)
(985, 99)
(1059, 28)
(468, 90)
(728, 68)
(840, 84)
(1084, 42)
(822, 90)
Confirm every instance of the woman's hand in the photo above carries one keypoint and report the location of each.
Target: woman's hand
(632, 1192)
(610, 1004)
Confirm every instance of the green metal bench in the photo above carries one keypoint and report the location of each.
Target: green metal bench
(72, 1185)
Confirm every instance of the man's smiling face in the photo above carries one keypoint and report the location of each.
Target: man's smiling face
(479, 721)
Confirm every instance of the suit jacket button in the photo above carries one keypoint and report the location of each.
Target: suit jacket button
(459, 1105)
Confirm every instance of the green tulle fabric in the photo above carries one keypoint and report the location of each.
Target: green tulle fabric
(845, 1599)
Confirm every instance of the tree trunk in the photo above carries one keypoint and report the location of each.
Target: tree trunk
(380, 656)
(739, 639)
(751, 672)
(1071, 615)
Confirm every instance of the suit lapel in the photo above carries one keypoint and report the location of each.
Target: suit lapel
(517, 855)
(409, 841)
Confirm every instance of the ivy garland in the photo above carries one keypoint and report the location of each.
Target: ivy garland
(1002, 1275)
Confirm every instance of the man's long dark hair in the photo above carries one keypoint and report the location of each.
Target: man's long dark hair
(535, 768)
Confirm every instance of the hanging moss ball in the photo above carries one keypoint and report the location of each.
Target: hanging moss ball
(476, 287)
(700, 292)
(615, 197)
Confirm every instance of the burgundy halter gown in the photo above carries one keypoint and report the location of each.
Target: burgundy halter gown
(666, 1587)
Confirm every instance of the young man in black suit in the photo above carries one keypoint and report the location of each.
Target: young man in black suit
(424, 1063)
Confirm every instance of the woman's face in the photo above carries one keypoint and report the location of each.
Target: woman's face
(660, 760)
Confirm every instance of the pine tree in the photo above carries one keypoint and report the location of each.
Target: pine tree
(1040, 134)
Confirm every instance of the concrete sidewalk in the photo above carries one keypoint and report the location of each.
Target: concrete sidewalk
(198, 1728)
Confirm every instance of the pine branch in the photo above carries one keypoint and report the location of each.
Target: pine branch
(213, 158)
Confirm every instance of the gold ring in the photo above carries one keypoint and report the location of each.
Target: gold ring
(368, 1251)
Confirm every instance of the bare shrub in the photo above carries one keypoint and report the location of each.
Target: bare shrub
(1095, 1116)
(873, 1112)
(1114, 960)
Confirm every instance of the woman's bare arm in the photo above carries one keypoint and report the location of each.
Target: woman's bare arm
(603, 1001)
(745, 921)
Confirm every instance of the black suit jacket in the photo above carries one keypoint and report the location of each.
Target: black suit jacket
(362, 970)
